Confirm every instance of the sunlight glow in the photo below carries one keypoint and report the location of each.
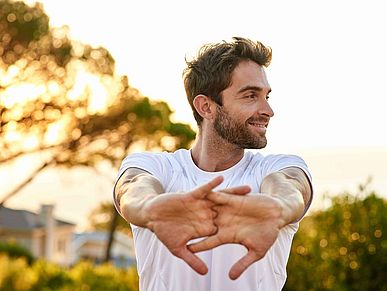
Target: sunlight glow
(99, 97)
(56, 131)
(13, 136)
(30, 141)
(19, 94)
(53, 88)
(89, 86)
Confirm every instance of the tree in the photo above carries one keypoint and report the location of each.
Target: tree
(62, 99)
(100, 217)
(61, 96)
(343, 247)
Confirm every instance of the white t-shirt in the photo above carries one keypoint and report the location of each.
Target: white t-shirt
(159, 270)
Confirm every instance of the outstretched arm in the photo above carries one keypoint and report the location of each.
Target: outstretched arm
(175, 218)
(133, 191)
(255, 220)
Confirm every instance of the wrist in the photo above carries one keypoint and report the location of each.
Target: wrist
(146, 212)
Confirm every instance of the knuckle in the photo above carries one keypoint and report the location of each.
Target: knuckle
(176, 252)
(205, 215)
(260, 253)
(207, 228)
(221, 239)
(220, 220)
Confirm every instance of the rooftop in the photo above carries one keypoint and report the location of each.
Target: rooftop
(18, 219)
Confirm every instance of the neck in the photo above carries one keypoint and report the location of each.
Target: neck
(211, 153)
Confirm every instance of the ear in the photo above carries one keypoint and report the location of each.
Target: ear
(204, 106)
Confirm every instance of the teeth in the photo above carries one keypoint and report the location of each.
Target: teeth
(259, 125)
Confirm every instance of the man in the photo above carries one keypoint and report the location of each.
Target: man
(226, 213)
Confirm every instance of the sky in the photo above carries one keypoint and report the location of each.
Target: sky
(327, 77)
(327, 73)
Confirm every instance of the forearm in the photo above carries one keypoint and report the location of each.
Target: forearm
(291, 188)
(134, 190)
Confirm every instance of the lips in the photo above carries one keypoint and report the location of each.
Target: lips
(262, 125)
(259, 121)
(258, 125)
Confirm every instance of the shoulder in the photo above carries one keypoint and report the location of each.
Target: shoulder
(162, 165)
(276, 162)
(263, 160)
(283, 159)
(144, 159)
(159, 160)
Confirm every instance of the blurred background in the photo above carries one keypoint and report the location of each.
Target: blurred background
(84, 83)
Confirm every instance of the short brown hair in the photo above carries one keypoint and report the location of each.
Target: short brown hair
(210, 72)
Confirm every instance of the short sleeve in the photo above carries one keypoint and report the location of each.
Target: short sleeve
(275, 163)
(153, 163)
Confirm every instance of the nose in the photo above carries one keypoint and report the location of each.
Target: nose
(265, 109)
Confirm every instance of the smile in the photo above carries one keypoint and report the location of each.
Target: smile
(258, 125)
(259, 128)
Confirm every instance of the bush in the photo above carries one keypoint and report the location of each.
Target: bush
(16, 251)
(104, 277)
(342, 248)
(17, 275)
(50, 277)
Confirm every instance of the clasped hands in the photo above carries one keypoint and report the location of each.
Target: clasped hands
(219, 217)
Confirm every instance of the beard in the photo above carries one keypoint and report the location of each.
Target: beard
(236, 132)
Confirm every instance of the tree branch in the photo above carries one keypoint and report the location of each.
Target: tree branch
(27, 181)
(14, 156)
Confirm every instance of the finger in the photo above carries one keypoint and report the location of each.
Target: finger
(203, 190)
(208, 203)
(220, 198)
(217, 209)
(240, 190)
(193, 261)
(206, 244)
(239, 267)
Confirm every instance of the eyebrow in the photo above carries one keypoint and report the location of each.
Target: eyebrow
(254, 88)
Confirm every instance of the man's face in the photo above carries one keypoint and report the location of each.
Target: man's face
(244, 116)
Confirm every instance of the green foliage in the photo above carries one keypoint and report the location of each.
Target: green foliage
(62, 98)
(104, 277)
(342, 248)
(19, 25)
(16, 275)
(50, 277)
(16, 251)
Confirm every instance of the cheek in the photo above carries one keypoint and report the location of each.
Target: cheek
(239, 117)
(242, 113)
(246, 113)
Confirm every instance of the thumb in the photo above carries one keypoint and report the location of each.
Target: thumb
(240, 190)
(207, 188)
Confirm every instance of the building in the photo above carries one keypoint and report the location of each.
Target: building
(41, 233)
(92, 246)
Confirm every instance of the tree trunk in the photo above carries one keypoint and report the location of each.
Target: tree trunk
(112, 229)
